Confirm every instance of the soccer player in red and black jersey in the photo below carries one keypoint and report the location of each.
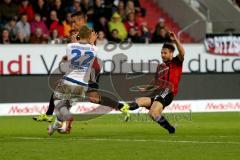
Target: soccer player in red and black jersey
(166, 81)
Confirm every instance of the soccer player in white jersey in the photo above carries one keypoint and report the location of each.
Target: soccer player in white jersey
(74, 84)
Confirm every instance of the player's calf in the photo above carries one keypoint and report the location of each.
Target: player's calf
(155, 114)
(165, 124)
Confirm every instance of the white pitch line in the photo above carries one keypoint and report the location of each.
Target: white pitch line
(130, 140)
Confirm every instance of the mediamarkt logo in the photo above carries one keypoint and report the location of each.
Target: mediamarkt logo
(28, 109)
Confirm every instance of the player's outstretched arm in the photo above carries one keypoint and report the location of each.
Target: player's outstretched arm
(180, 48)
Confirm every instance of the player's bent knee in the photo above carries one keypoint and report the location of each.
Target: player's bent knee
(143, 102)
(94, 97)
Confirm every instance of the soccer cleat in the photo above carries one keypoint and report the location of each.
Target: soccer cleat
(57, 126)
(49, 118)
(43, 117)
(125, 112)
(65, 128)
(51, 130)
(172, 130)
(62, 129)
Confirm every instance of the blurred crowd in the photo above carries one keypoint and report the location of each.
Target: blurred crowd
(49, 21)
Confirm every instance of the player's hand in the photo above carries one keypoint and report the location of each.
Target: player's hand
(172, 36)
(73, 38)
(93, 38)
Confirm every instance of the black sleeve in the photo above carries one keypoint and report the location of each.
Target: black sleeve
(177, 60)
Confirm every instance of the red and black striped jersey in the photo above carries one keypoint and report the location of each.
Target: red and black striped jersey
(169, 74)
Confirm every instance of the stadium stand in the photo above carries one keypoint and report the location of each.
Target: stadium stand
(52, 20)
(155, 14)
(139, 21)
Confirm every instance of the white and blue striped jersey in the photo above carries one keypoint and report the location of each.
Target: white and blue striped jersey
(80, 59)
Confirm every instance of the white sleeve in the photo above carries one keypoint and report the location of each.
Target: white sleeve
(68, 51)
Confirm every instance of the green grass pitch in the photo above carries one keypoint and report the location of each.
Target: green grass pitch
(206, 136)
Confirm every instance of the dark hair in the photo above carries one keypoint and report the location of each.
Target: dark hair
(169, 46)
(73, 30)
(13, 19)
(4, 29)
(37, 14)
(115, 30)
(23, 14)
(79, 13)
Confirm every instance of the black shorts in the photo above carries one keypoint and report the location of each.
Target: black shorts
(93, 86)
(164, 96)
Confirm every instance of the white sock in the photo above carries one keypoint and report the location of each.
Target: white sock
(57, 124)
